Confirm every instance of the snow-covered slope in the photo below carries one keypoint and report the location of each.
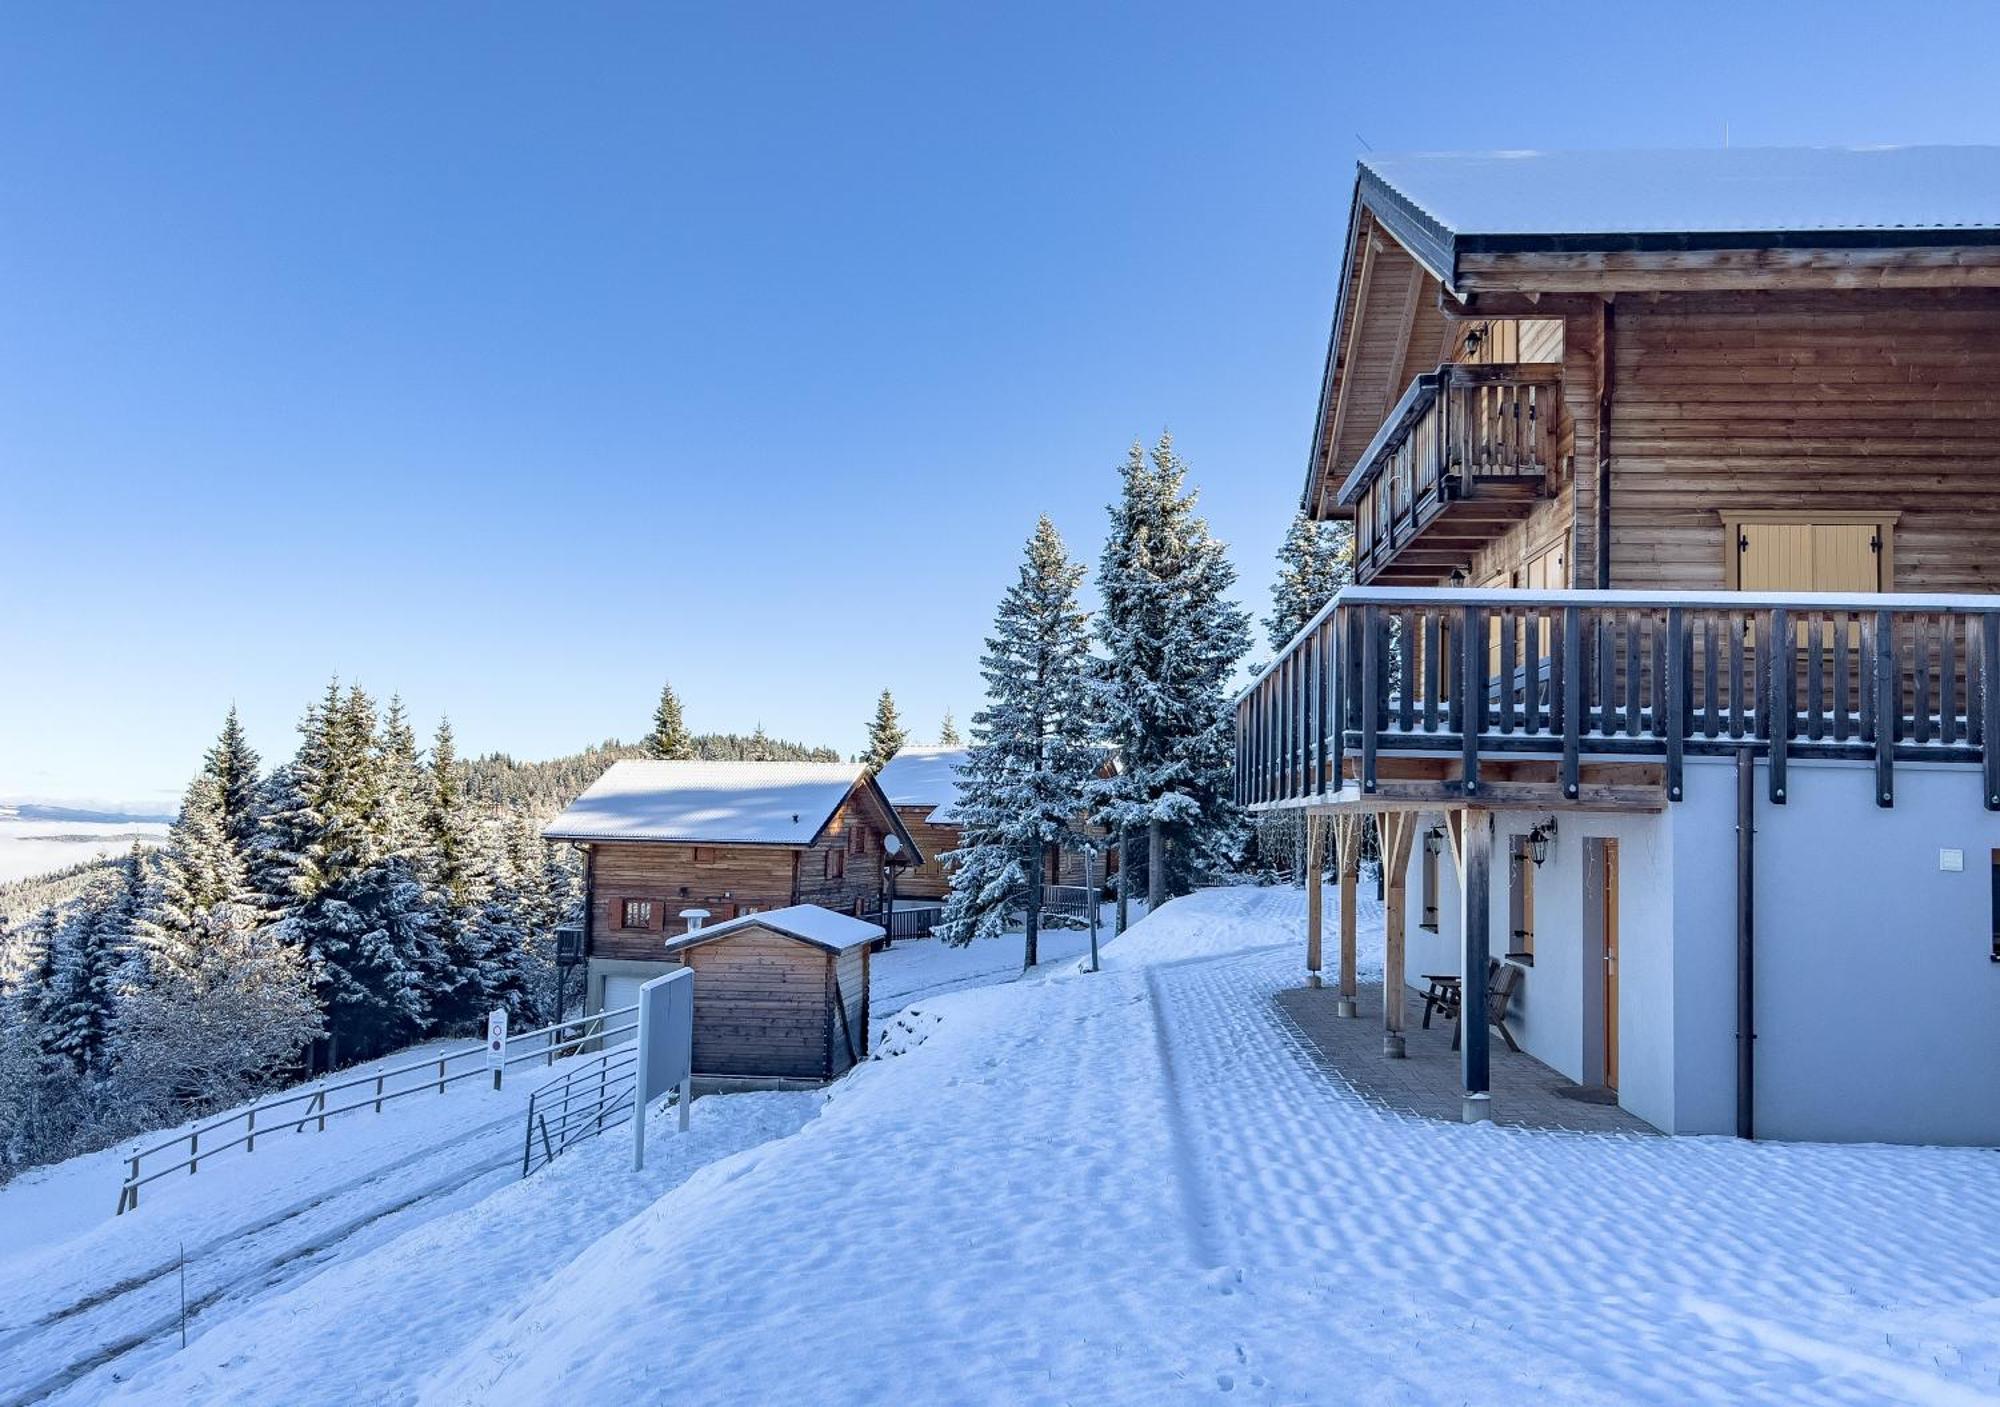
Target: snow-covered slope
(1133, 1186)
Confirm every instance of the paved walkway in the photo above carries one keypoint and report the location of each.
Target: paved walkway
(1426, 1081)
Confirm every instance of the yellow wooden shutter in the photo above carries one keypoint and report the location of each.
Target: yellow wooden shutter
(1844, 557)
(1775, 557)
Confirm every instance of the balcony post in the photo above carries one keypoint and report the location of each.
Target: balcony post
(1888, 708)
(1475, 918)
(1473, 655)
(1679, 644)
(1989, 705)
(1572, 699)
(1371, 674)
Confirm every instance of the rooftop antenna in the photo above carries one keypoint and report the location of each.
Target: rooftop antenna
(1365, 144)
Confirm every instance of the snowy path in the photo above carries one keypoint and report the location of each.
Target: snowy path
(1135, 1186)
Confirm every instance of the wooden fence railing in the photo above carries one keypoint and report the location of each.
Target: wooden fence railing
(1569, 674)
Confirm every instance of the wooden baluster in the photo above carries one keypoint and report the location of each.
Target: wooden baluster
(1342, 666)
(1815, 675)
(1736, 625)
(1474, 653)
(1371, 669)
(1504, 619)
(1531, 668)
(1841, 716)
(1659, 690)
(1679, 644)
(1920, 678)
(1888, 708)
(1635, 659)
(1433, 654)
(1571, 683)
(1948, 678)
(1865, 679)
(1607, 676)
(1711, 679)
(1406, 673)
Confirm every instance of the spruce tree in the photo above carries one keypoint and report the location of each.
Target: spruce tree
(405, 784)
(886, 734)
(1171, 638)
(234, 766)
(1314, 562)
(669, 739)
(93, 964)
(759, 747)
(1024, 782)
(457, 868)
(948, 732)
(195, 877)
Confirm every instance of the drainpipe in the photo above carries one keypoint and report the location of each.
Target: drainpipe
(1746, 943)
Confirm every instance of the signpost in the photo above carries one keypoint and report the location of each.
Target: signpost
(496, 1043)
(666, 1051)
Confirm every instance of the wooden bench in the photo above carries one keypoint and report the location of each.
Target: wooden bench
(1445, 997)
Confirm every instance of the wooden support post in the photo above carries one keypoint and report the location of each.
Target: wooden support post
(1989, 705)
(1888, 708)
(1347, 836)
(1572, 699)
(1314, 894)
(1779, 662)
(1394, 829)
(1475, 855)
(1679, 650)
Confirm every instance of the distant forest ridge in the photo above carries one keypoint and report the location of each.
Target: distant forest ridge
(544, 788)
(36, 811)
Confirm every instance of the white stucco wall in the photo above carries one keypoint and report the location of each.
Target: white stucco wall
(1878, 1003)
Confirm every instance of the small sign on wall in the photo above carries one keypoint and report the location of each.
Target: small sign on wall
(1951, 861)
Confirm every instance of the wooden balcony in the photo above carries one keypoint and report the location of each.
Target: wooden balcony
(1595, 698)
(1467, 451)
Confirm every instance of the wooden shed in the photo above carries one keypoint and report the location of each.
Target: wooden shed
(779, 995)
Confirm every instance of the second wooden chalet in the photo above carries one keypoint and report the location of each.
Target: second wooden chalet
(922, 783)
(661, 839)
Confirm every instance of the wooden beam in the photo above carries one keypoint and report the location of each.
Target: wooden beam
(1394, 829)
(1347, 836)
(1644, 271)
(1315, 826)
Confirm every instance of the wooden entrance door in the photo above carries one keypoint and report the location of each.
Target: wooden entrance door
(1611, 964)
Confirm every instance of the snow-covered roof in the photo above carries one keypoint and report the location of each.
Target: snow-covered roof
(809, 923)
(924, 775)
(720, 803)
(1717, 190)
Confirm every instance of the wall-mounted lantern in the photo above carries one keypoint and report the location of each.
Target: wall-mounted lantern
(1540, 839)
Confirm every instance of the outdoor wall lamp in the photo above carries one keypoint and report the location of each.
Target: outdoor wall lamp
(1434, 840)
(1539, 840)
(1458, 576)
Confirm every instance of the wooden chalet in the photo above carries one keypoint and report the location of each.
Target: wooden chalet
(1675, 482)
(661, 839)
(921, 782)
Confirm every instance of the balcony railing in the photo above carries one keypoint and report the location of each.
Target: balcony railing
(1467, 450)
(1567, 675)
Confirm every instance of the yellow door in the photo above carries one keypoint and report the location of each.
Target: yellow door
(1845, 557)
(1611, 964)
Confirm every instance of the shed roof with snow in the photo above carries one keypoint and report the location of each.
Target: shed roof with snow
(809, 923)
(925, 775)
(711, 803)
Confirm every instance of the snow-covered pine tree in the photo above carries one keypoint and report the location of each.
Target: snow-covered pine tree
(886, 733)
(197, 874)
(93, 954)
(669, 739)
(759, 747)
(406, 785)
(235, 766)
(1172, 637)
(457, 866)
(1024, 782)
(360, 918)
(1314, 561)
(948, 732)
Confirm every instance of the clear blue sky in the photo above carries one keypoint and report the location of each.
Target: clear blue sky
(517, 357)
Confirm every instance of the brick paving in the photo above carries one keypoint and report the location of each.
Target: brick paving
(1425, 1082)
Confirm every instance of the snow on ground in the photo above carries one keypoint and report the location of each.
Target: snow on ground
(913, 969)
(41, 847)
(1133, 1185)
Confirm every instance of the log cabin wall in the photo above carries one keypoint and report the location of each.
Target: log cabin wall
(842, 868)
(726, 880)
(928, 880)
(1839, 401)
(761, 1006)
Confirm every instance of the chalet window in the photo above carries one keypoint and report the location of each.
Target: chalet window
(1847, 552)
(636, 913)
(857, 839)
(1520, 899)
(704, 854)
(836, 864)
